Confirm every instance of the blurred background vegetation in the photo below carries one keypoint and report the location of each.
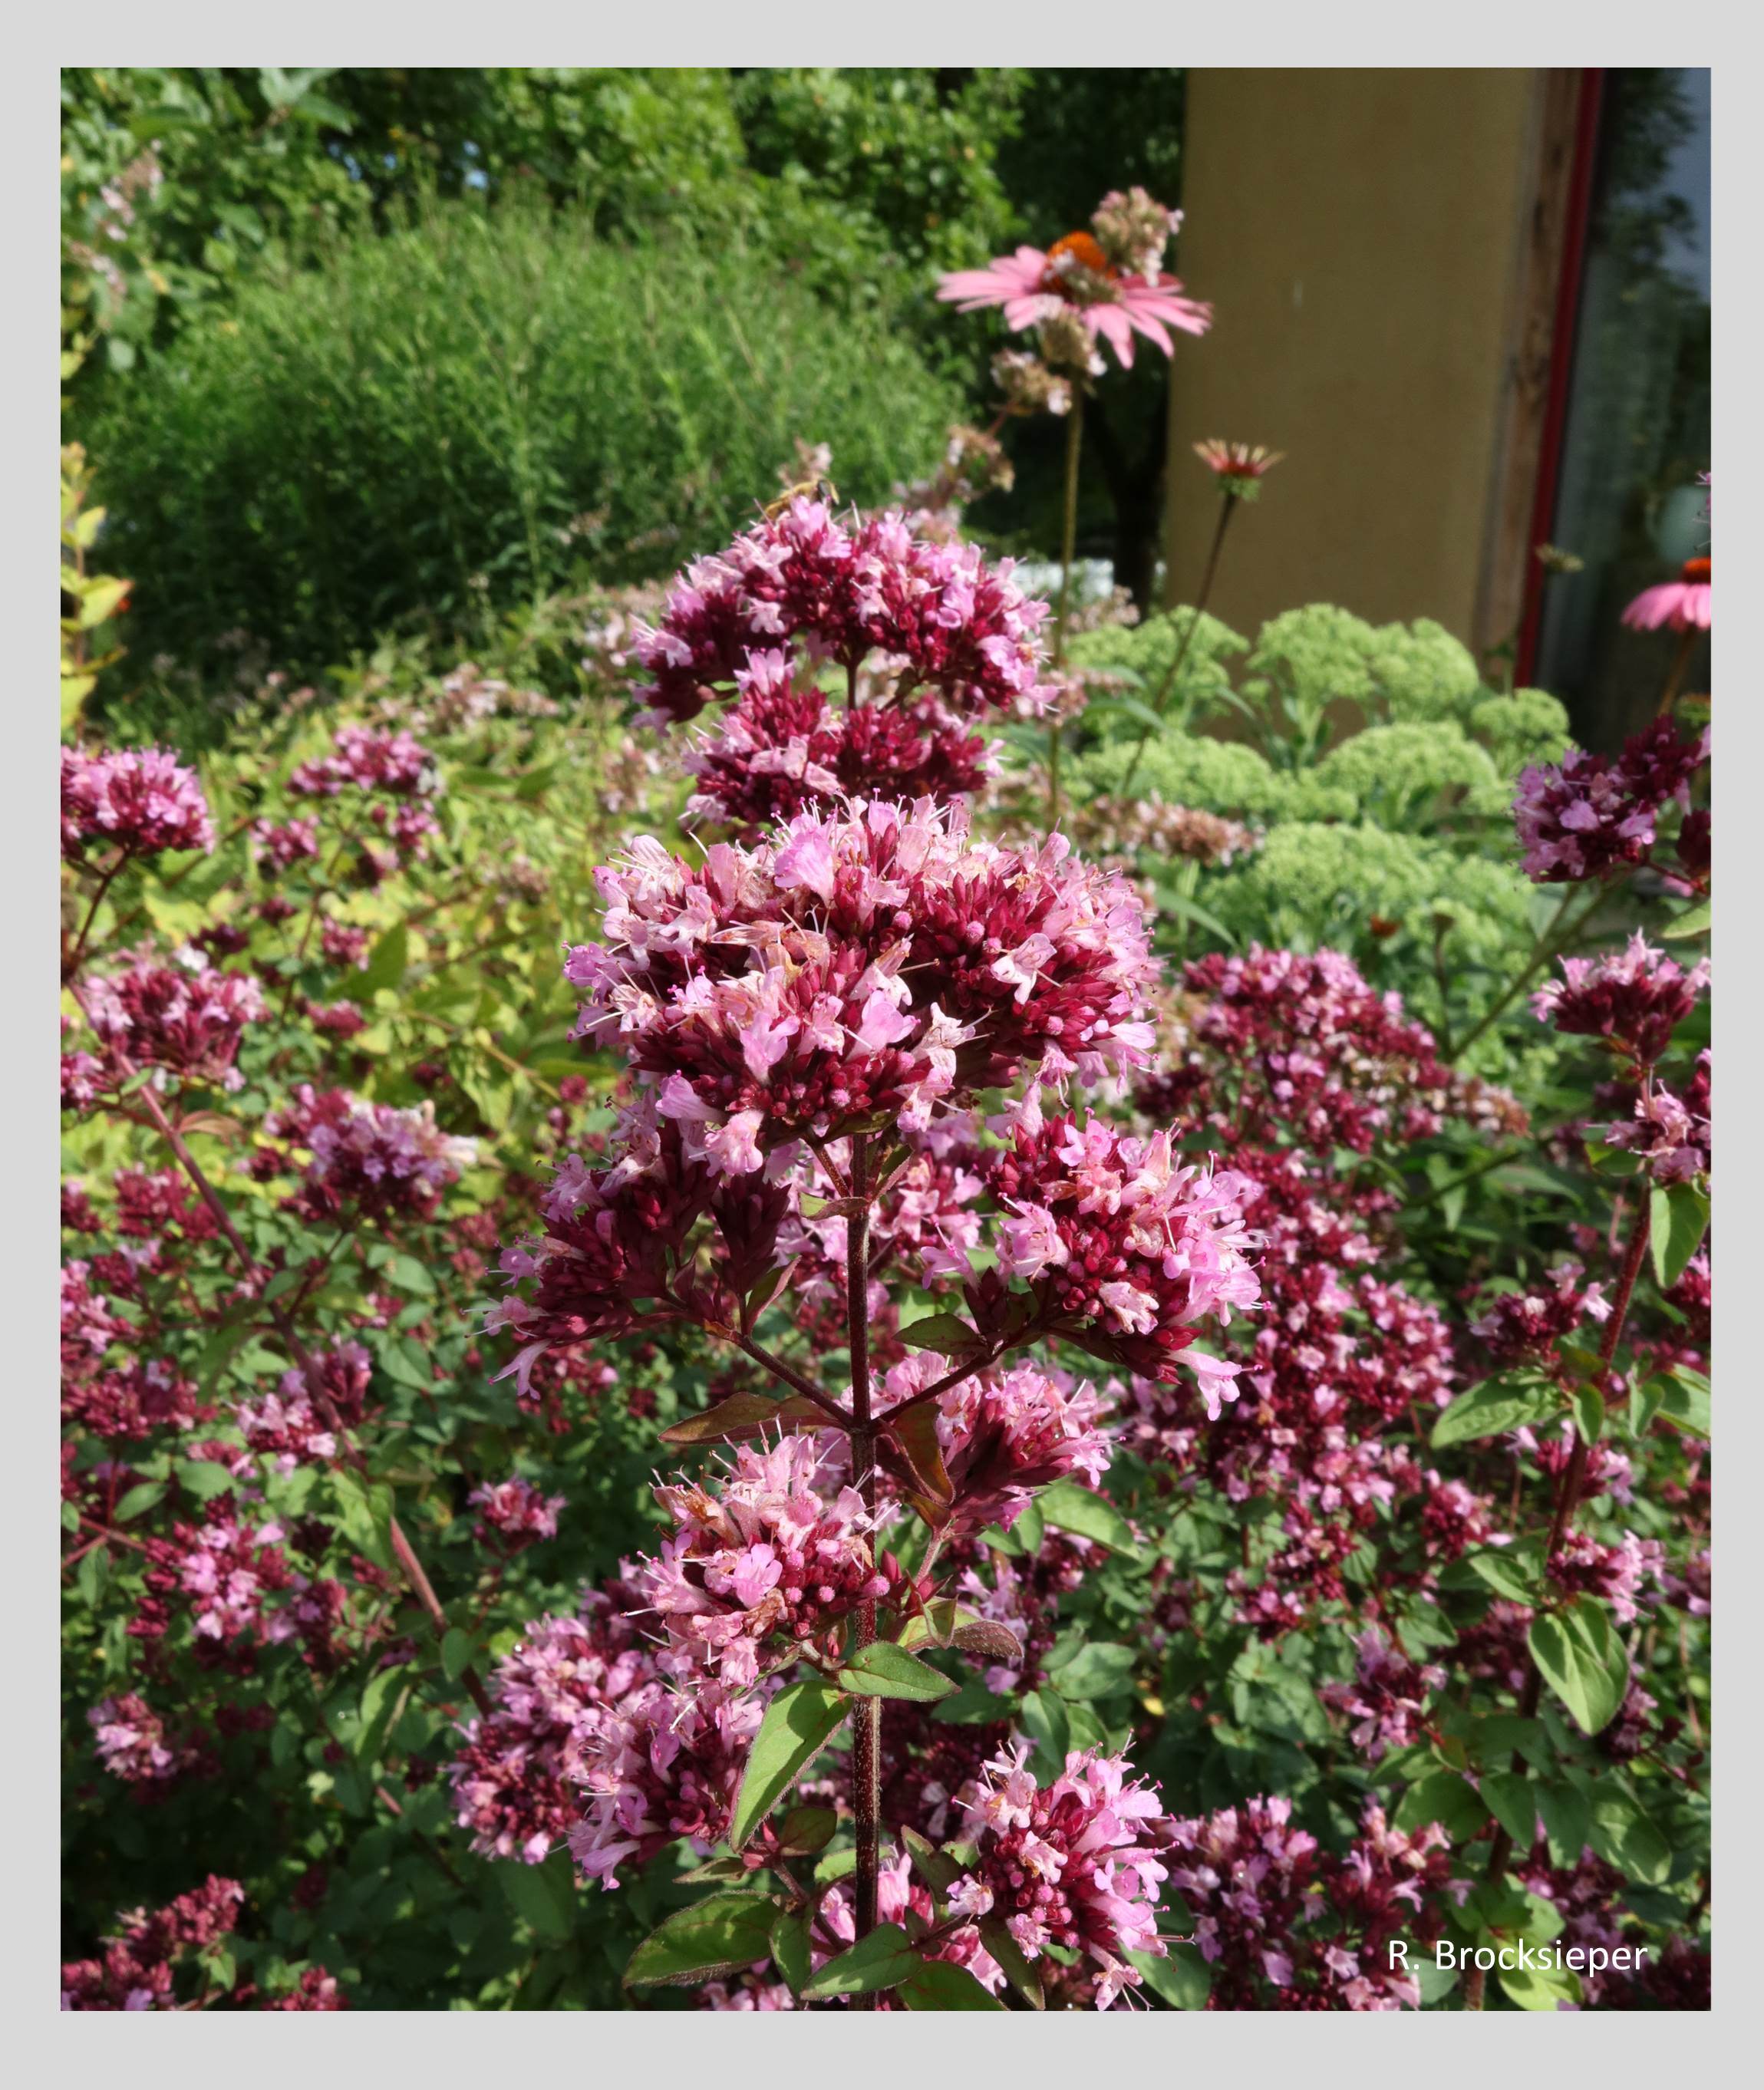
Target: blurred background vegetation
(384, 349)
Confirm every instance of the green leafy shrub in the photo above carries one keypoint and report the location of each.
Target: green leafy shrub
(1409, 771)
(482, 404)
(1528, 726)
(1313, 884)
(1191, 769)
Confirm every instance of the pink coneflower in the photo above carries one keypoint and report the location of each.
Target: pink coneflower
(1239, 467)
(1075, 278)
(1682, 605)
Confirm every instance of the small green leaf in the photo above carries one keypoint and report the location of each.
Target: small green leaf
(1507, 1571)
(947, 1332)
(202, 1479)
(1069, 1508)
(1693, 922)
(1588, 1407)
(1009, 1955)
(1685, 1399)
(409, 1275)
(1568, 1821)
(1043, 1719)
(882, 1960)
(1583, 1662)
(789, 1948)
(935, 1984)
(1181, 1976)
(1444, 1797)
(386, 962)
(379, 1702)
(544, 1895)
(884, 1671)
(702, 1943)
(1624, 1835)
(936, 1868)
(1678, 1218)
(1540, 1988)
(457, 1651)
(1512, 1801)
(796, 1723)
(139, 1500)
(1098, 1670)
(805, 1831)
(1503, 1403)
(1645, 1399)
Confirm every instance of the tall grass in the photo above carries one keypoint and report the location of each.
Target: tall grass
(481, 404)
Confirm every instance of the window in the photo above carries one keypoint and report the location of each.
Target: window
(1636, 434)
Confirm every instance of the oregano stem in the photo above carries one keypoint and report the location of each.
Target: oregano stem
(867, 1713)
(1568, 1494)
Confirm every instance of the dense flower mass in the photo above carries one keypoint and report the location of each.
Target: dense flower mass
(1670, 1128)
(1590, 815)
(856, 968)
(368, 1158)
(1309, 1045)
(1386, 1704)
(368, 760)
(1005, 1435)
(516, 1512)
(1125, 1249)
(953, 623)
(135, 1973)
(769, 1554)
(1284, 1924)
(186, 1017)
(599, 1740)
(1636, 998)
(140, 799)
(1078, 1864)
(513, 1776)
(660, 1761)
(132, 1744)
(784, 748)
(1334, 1359)
(1522, 1328)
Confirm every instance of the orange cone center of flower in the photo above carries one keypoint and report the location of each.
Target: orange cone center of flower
(1083, 248)
(1696, 570)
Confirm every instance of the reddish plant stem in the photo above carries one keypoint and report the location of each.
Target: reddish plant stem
(1567, 1496)
(72, 963)
(420, 1585)
(943, 1385)
(867, 1713)
(1680, 661)
(787, 1373)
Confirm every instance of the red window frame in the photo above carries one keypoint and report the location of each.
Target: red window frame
(1561, 361)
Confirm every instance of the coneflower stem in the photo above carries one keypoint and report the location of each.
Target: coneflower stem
(1687, 639)
(1227, 508)
(1069, 538)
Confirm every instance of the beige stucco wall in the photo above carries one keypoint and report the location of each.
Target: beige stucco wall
(1358, 233)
